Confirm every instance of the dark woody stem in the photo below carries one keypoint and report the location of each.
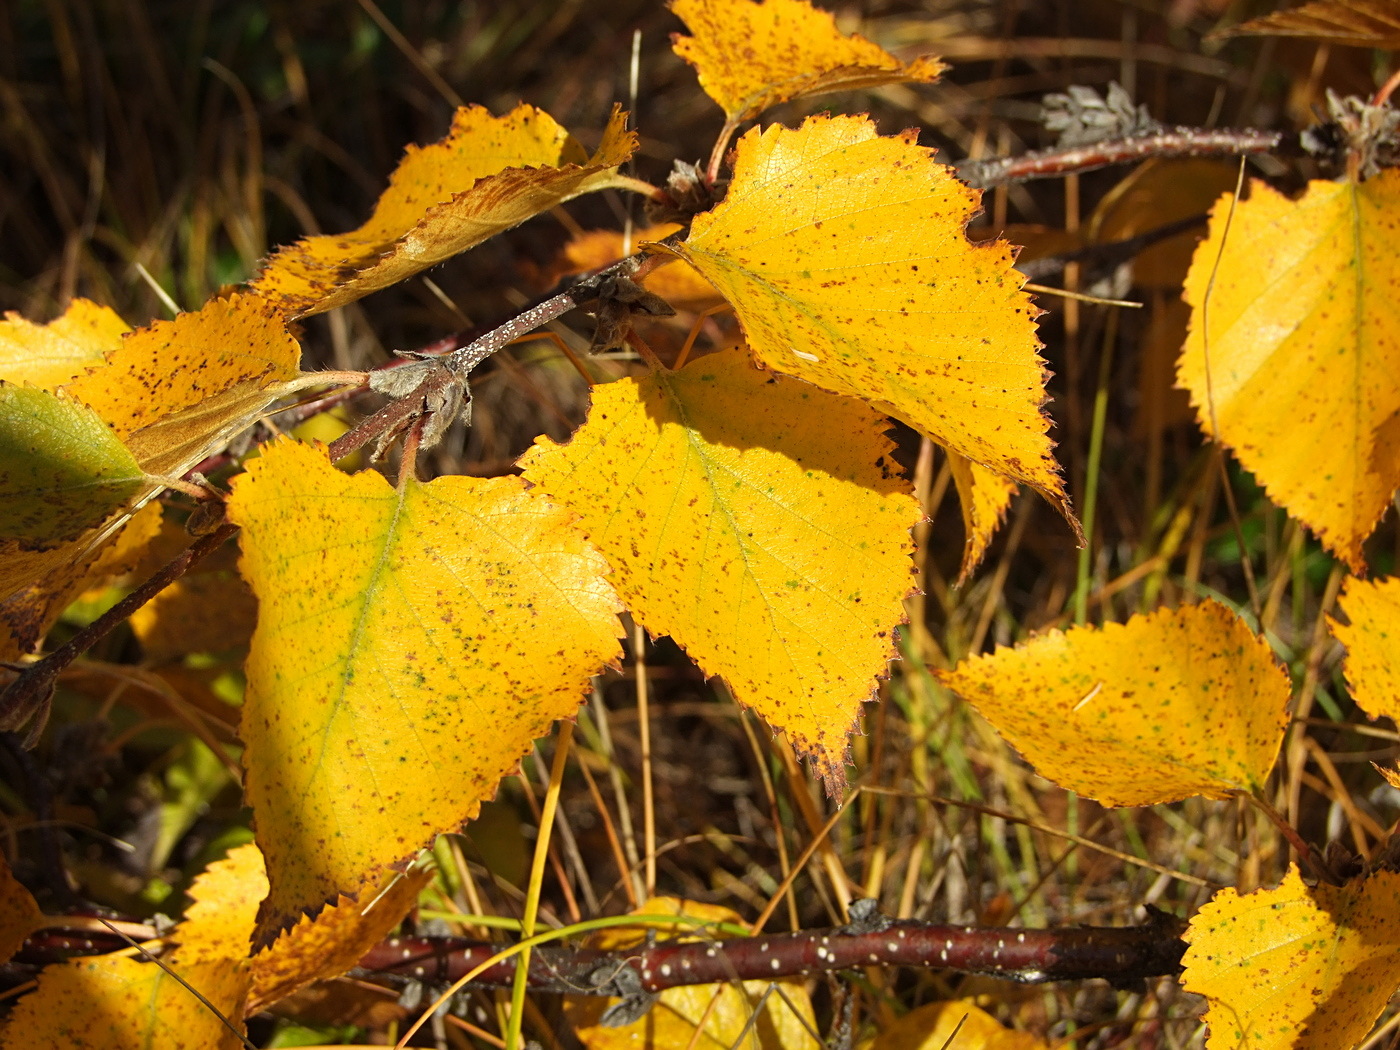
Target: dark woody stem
(27, 698)
(1072, 953)
(1174, 142)
(1029, 956)
(462, 361)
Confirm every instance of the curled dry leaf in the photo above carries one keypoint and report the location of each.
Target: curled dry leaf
(113, 1002)
(487, 175)
(393, 625)
(1176, 703)
(759, 522)
(1298, 967)
(1351, 23)
(750, 56)
(1293, 357)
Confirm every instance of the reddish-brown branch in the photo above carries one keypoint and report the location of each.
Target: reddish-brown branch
(1073, 953)
(1174, 142)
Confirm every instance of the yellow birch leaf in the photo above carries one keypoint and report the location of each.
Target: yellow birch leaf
(868, 287)
(1303, 349)
(750, 56)
(68, 570)
(680, 286)
(170, 368)
(760, 523)
(335, 940)
(1351, 23)
(787, 1021)
(1372, 641)
(112, 1002)
(219, 924)
(172, 393)
(984, 496)
(958, 1025)
(1297, 967)
(487, 175)
(49, 355)
(62, 470)
(410, 645)
(19, 913)
(1175, 703)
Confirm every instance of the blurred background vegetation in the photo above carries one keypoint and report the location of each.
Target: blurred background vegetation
(170, 145)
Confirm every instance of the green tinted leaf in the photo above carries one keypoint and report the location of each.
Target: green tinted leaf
(62, 470)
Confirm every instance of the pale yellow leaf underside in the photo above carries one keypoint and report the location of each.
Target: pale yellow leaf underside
(485, 176)
(1297, 967)
(759, 522)
(868, 287)
(1294, 360)
(410, 645)
(750, 56)
(1175, 703)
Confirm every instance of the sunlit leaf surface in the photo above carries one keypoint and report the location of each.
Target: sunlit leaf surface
(112, 1002)
(1372, 638)
(750, 56)
(1297, 967)
(1293, 360)
(759, 522)
(410, 645)
(1176, 703)
(219, 925)
(867, 286)
(49, 355)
